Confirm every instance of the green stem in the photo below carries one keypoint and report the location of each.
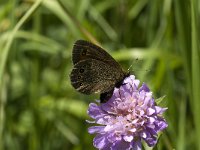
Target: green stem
(195, 67)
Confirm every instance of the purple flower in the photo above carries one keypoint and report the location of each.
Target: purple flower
(131, 115)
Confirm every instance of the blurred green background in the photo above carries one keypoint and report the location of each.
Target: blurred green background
(40, 110)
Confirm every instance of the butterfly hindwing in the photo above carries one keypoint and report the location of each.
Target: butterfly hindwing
(90, 76)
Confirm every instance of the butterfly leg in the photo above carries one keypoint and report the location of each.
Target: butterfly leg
(104, 97)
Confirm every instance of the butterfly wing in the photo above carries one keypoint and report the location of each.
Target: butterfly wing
(83, 50)
(94, 76)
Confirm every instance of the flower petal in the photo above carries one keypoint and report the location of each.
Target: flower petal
(150, 111)
(121, 145)
(128, 138)
(136, 145)
(96, 129)
(94, 110)
(101, 142)
(144, 87)
(160, 110)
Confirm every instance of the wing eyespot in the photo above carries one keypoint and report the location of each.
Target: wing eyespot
(84, 52)
(81, 70)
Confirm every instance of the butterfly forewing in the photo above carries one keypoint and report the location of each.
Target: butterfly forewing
(85, 50)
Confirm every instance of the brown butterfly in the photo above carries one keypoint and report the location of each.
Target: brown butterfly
(95, 71)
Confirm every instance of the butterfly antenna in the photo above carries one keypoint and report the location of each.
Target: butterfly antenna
(133, 61)
(130, 67)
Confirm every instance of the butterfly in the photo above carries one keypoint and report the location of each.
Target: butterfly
(95, 71)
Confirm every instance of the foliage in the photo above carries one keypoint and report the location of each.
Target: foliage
(39, 109)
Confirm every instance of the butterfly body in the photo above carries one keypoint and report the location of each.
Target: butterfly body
(95, 71)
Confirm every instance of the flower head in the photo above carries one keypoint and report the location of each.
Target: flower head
(131, 115)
